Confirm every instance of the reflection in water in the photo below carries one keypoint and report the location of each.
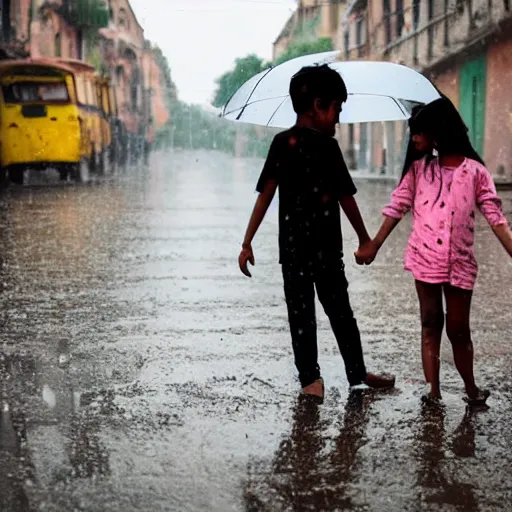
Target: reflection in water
(88, 456)
(435, 487)
(78, 421)
(59, 233)
(38, 404)
(15, 466)
(309, 472)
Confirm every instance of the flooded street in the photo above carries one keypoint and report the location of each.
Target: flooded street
(139, 370)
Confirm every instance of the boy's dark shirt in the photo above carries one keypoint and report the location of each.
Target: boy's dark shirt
(312, 177)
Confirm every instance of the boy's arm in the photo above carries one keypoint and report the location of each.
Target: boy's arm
(259, 211)
(257, 216)
(351, 210)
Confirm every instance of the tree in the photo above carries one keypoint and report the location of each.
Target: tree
(163, 64)
(298, 49)
(247, 67)
(230, 81)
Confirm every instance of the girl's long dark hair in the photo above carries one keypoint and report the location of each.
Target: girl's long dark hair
(440, 121)
(412, 154)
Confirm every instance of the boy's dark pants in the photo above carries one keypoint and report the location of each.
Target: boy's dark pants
(331, 285)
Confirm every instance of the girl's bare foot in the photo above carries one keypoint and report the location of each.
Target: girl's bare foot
(432, 399)
(478, 397)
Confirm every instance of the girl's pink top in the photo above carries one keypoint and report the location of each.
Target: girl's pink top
(443, 203)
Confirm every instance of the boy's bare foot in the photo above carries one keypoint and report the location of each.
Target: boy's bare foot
(314, 389)
(380, 381)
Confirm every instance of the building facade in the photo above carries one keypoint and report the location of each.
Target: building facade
(313, 19)
(14, 28)
(122, 46)
(156, 108)
(464, 47)
(52, 32)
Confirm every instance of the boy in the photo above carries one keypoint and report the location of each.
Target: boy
(307, 165)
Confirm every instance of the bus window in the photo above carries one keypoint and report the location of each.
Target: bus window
(91, 96)
(80, 90)
(104, 99)
(25, 92)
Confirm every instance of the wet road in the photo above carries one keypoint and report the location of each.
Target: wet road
(140, 371)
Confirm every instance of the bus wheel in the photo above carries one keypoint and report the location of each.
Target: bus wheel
(17, 176)
(80, 171)
(64, 173)
(3, 177)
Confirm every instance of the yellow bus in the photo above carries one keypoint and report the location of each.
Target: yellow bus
(40, 119)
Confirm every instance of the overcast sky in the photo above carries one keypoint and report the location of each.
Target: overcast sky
(202, 38)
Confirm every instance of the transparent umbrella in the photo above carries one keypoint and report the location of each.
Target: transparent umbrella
(377, 91)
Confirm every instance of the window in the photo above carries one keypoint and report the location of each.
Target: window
(430, 9)
(446, 24)
(134, 95)
(5, 21)
(27, 92)
(334, 15)
(360, 35)
(430, 48)
(416, 13)
(387, 20)
(80, 44)
(400, 22)
(58, 45)
(122, 20)
(346, 42)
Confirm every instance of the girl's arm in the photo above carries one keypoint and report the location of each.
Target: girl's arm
(386, 228)
(489, 204)
(504, 234)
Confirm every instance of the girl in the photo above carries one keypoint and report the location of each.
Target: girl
(443, 194)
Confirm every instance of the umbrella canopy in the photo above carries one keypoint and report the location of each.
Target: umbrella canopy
(377, 91)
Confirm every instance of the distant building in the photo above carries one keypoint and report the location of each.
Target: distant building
(122, 48)
(156, 108)
(311, 20)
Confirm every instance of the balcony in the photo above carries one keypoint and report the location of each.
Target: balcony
(85, 13)
(425, 38)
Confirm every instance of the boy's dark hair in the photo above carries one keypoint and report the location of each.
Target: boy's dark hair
(440, 121)
(313, 82)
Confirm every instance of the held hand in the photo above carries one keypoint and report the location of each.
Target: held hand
(246, 255)
(366, 253)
